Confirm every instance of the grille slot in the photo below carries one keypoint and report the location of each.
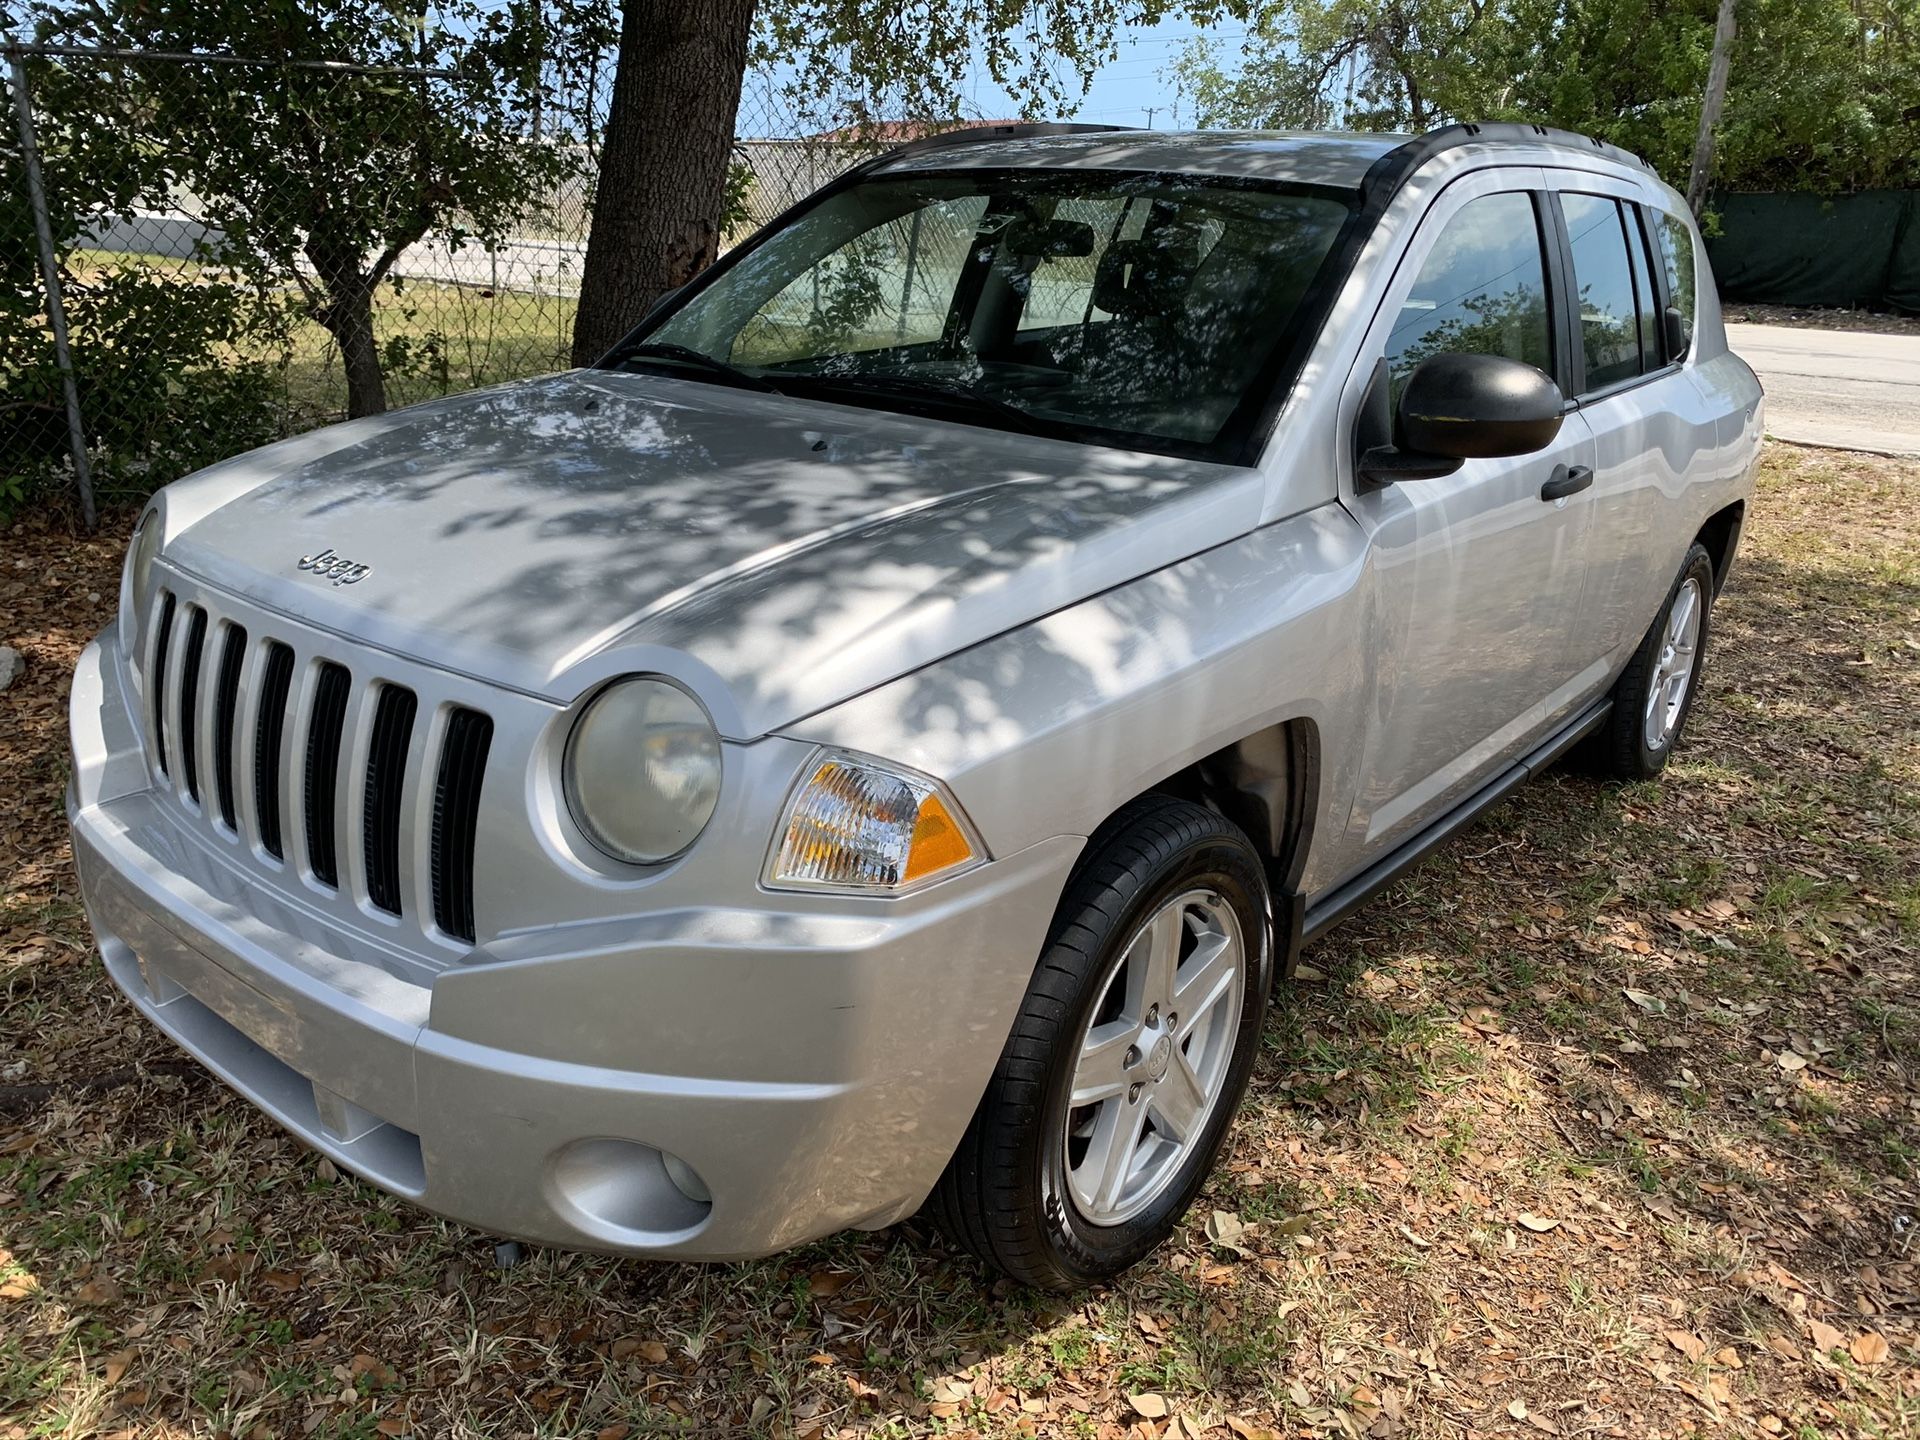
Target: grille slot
(324, 729)
(269, 729)
(285, 747)
(226, 705)
(385, 796)
(190, 700)
(159, 683)
(456, 813)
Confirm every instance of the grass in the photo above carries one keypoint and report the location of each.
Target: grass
(435, 339)
(1604, 1122)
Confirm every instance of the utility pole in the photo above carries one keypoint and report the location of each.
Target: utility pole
(1152, 110)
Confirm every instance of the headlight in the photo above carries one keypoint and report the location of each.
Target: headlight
(643, 770)
(856, 823)
(134, 593)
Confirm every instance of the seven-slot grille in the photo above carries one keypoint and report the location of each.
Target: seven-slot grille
(214, 692)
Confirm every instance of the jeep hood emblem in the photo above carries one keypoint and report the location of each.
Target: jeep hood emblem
(329, 566)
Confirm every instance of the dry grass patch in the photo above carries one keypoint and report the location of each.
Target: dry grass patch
(1605, 1122)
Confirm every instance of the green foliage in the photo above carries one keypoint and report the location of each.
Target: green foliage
(867, 61)
(314, 179)
(1824, 95)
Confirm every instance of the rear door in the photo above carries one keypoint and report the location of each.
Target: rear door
(1477, 577)
(1653, 424)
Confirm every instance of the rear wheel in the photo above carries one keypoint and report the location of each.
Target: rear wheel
(1129, 1057)
(1654, 695)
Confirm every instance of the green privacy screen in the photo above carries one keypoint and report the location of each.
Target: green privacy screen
(1797, 249)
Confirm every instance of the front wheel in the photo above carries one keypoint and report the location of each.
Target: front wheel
(1130, 1054)
(1654, 695)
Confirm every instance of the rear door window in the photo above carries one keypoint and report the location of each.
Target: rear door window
(1603, 289)
(1675, 240)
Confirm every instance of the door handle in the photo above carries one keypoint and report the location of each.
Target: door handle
(1566, 480)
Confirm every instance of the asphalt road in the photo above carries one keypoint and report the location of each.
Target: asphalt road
(1845, 388)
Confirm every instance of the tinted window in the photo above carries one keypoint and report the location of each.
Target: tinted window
(1676, 254)
(1145, 310)
(1481, 291)
(1603, 283)
(1646, 302)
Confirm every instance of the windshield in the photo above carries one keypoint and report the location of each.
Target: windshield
(1148, 311)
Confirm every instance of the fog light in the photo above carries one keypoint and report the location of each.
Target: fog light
(627, 1193)
(686, 1180)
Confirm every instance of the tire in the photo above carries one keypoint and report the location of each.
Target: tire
(1009, 1193)
(1627, 746)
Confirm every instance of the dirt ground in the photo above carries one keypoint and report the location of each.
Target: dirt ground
(1879, 322)
(1605, 1122)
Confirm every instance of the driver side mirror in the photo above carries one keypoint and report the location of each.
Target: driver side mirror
(1460, 407)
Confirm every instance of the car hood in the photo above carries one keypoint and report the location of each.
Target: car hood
(779, 555)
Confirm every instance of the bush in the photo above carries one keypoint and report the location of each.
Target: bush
(164, 380)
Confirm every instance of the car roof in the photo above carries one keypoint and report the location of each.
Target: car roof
(1342, 159)
(1299, 156)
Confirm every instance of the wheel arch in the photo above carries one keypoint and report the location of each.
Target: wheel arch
(1721, 537)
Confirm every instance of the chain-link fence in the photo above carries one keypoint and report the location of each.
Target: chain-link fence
(201, 253)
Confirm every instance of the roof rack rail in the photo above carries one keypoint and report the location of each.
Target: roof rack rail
(1393, 169)
(1013, 130)
(1419, 150)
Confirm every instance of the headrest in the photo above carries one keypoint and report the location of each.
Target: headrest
(1148, 276)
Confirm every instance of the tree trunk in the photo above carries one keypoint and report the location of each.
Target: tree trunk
(349, 319)
(1710, 106)
(663, 164)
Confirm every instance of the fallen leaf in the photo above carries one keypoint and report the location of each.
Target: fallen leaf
(1247, 1430)
(827, 1282)
(1825, 1337)
(103, 1291)
(116, 1366)
(1518, 1408)
(1650, 1003)
(1148, 1406)
(1790, 1061)
(1869, 1348)
(1689, 1345)
(618, 1431)
(1225, 1229)
(378, 1371)
(1539, 1224)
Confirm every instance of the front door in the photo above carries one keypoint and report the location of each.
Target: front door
(1476, 577)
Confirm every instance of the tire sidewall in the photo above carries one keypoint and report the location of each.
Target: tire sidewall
(1090, 1252)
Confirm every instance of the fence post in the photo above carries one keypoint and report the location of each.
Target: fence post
(50, 275)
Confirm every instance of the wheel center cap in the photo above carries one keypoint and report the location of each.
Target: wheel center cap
(1159, 1058)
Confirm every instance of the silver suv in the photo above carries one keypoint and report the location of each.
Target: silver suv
(875, 740)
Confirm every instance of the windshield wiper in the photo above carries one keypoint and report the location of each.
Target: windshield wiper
(687, 355)
(913, 387)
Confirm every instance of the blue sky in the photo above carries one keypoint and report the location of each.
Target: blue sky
(1135, 83)
(1131, 89)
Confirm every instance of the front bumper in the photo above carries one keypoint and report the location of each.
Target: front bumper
(822, 1064)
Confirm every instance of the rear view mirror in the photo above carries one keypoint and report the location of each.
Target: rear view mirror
(1465, 407)
(1048, 239)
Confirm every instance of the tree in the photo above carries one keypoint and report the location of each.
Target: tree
(313, 177)
(1710, 105)
(1356, 64)
(1819, 94)
(657, 209)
